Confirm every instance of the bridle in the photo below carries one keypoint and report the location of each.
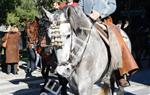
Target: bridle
(56, 36)
(75, 57)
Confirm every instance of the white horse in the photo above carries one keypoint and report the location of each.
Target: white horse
(83, 57)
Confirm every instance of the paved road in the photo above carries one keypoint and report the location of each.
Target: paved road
(140, 83)
(22, 85)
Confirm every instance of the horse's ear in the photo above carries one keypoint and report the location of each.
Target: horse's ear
(68, 12)
(36, 18)
(25, 20)
(72, 17)
(48, 14)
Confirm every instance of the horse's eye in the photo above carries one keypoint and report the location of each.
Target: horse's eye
(68, 36)
(50, 23)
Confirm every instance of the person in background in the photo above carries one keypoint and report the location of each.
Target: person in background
(101, 10)
(98, 8)
(12, 49)
(72, 3)
(56, 5)
(60, 5)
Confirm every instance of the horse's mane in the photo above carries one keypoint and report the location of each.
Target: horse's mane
(78, 20)
(77, 17)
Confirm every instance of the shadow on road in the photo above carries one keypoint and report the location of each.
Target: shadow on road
(142, 76)
(140, 79)
(28, 86)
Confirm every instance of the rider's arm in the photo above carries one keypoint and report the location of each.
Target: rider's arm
(103, 8)
(107, 8)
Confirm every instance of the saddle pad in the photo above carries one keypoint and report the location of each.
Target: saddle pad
(115, 49)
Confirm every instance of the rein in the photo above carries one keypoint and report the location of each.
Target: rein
(76, 57)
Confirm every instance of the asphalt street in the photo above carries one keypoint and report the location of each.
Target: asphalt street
(140, 83)
(30, 85)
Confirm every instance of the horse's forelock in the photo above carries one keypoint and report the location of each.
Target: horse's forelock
(37, 19)
(77, 17)
(78, 21)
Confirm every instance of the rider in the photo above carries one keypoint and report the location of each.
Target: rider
(102, 9)
(56, 5)
(72, 3)
(61, 5)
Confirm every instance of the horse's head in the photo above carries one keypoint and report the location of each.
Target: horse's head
(59, 31)
(73, 28)
(81, 46)
(32, 28)
(33, 25)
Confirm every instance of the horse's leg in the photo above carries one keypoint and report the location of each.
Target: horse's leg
(85, 87)
(47, 72)
(63, 81)
(43, 72)
(45, 78)
(112, 82)
(115, 78)
(84, 81)
(43, 68)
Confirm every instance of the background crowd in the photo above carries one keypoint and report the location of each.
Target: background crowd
(127, 12)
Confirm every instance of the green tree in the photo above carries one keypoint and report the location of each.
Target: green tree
(6, 6)
(26, 9)
(12, 11)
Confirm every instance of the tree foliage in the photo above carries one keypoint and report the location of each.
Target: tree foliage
(26, 9)
(7, 6)
(12, 11)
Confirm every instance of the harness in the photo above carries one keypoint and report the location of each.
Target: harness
(56, 40)
(76, 54)
(75, 57)
(103, 32)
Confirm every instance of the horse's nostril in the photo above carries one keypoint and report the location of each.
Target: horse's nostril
(68, 36)
(68, 69)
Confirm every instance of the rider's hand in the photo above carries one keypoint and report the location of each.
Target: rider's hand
(94, 15)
